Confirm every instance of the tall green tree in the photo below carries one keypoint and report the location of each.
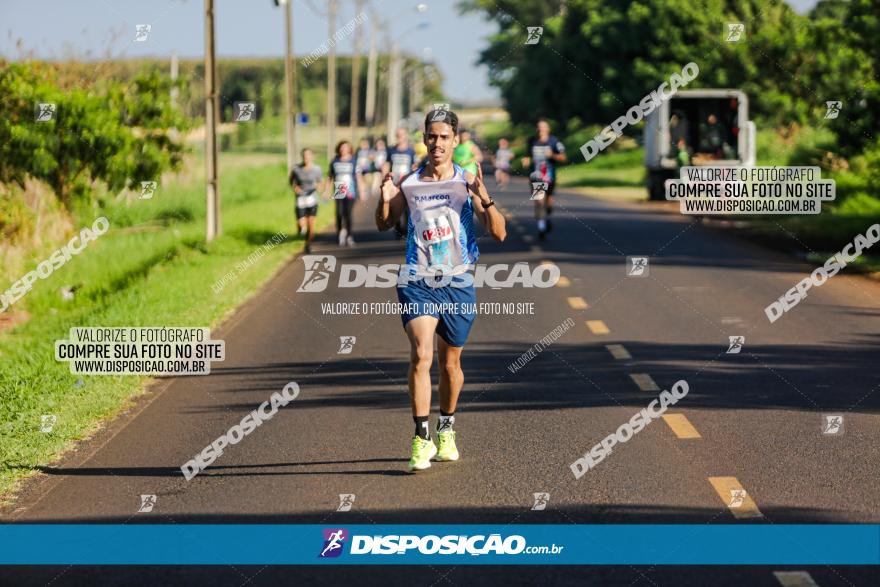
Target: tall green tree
(597, 58)
(117, 133)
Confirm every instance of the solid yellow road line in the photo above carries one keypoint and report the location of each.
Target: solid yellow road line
(578, 303)
(794, 579)
(619, 352)
(737, 500)
(597, 327)
(563, 281)
(545, 262)
(681, 426)
(644, 381)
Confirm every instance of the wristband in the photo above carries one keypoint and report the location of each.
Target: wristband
(490, 204)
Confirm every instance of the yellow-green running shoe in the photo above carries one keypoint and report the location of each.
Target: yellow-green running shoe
(422, 453)
(447, 450)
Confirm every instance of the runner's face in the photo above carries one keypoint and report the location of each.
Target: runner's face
(402, 137)
(440, 141)
(308, 157)
(543, 130)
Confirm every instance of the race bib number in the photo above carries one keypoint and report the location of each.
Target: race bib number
(307, 200)
(342, 188)
(436, 234)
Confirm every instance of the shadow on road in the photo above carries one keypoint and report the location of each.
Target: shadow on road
(567, 376)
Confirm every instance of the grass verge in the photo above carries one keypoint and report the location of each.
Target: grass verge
(153, 268)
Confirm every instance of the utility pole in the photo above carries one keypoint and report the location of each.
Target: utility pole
(211, 116)
(416, 90)
(356, 74)
(394, 92)
(289, 77)
(331, 79)
(370, 106)
(175, 69)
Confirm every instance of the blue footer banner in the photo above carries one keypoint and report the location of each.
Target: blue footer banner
(462, 544)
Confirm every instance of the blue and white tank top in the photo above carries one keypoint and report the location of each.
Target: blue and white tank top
(440, 235)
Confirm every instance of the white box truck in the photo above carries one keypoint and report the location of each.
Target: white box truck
(697, 127)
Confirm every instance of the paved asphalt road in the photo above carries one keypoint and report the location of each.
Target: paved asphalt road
(758, 413)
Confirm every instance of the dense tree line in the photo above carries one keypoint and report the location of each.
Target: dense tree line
(596, 58)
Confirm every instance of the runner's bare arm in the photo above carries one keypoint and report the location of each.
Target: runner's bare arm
(390, 205)
(490, 217)
(291, 179)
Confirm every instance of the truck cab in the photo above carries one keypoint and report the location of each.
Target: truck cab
(697, 127)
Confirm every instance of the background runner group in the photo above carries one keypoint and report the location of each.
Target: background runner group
(355, 175)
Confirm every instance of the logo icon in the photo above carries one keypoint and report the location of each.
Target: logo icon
(833, 109)
(541, 500)
(318, 270)
(334, 538)
(539, 190)
(147, 503)
(141, 32)
(340, 190)
(832, 424)
(534, 34)
(737, 498)
(47, 422)
(637, 266)
(735, 31)
(346, 500)
(346, 345)
(148, 188)
(245, 111)
(45, 111)
(736, 344)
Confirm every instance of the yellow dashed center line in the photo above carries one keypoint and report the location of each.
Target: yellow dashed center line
(794, 579)
(644, 381)
(563, 282)
(578, 303)
(681, 426)
(597, 327)
(619, 352)
(737, 500)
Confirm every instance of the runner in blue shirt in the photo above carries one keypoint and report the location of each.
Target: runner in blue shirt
(400, 161)
(343, 172)
(439, 201)
(544, 152)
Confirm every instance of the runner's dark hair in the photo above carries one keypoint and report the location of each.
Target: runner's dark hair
(450, 118)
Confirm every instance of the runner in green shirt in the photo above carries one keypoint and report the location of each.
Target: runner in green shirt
(467, 154)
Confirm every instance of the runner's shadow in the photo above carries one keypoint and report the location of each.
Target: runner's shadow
(217, 471)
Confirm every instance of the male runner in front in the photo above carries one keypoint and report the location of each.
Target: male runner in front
(544, 152)
(441, 199)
